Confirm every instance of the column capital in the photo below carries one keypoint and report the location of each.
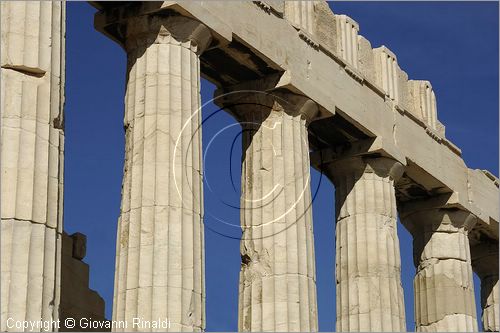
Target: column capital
(243, 100)
(144, 30)
(297, 104)
(438, 219)
(356, 166)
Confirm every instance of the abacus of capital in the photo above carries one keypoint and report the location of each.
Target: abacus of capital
(308, 90)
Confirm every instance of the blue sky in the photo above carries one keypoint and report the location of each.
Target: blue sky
(452, 44)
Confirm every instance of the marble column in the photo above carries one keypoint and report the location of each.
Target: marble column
(32, 154)
(300, 14)
(443, 285)
(277, 278)
(368, 264)
(485, 264)
(160, 250)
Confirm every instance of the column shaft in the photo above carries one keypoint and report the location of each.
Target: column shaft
(368, 264)
(277, 278)
(32, 154)
(490, 303)
(485, 264)
(160, 251)
(443, 285)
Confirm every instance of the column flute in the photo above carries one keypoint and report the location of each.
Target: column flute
(160, 250)
(368, 263)
(277, 278)
(443, 285)
(32, 161)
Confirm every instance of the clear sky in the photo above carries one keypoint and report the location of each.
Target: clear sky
(452, 44)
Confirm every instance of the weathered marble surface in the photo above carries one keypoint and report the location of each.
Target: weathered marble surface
(368, 262)
(389, 143)
(32, 154)
(444, 289)
(277, 289)
(160, 251)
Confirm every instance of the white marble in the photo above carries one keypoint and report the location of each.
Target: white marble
(32, 154)
(160, 250)
(443, 285)
(368, 264)
(277, 279)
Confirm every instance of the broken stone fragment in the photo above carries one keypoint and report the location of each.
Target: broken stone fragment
(79, 245)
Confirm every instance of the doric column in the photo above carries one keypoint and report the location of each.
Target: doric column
(32, 154)
(443, 285)
(277, 278)
(368, 264)
(160, 250)
(485, 264)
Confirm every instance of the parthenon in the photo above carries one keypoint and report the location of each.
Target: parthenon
(308, 91)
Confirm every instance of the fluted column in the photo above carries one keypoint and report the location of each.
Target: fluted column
(443, 285)
(160, 250)
(485, 264)
(301, 14)
(277, 278)
(368, 265)
(32, 154)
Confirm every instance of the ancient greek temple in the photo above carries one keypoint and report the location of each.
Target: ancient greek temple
(308, 90)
